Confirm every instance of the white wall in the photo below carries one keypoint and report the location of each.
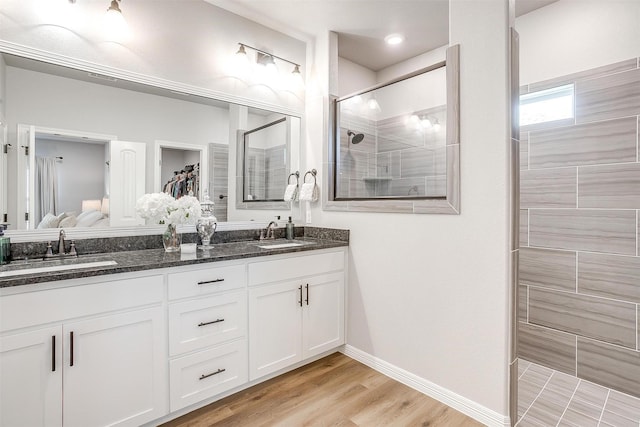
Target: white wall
(190, 42)
(430, 293)
(353, 77)
(570, 36)
(417, 62)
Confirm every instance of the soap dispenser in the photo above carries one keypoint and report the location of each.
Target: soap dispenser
(5, 246)
(290, 231)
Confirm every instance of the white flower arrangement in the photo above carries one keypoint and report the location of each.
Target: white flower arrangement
(161, 208)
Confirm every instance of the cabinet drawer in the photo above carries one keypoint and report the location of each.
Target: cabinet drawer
(204, 322)
(54, 305)
(291, 268)
(205, 281)
(207, 373)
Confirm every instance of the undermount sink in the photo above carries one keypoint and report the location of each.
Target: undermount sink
(52, 268)
(279, 244)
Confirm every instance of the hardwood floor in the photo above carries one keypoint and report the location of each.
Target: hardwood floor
(333, 391)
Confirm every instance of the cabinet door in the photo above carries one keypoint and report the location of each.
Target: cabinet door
(115, 371)
(323, 314)
(31, 378)
(274, 328)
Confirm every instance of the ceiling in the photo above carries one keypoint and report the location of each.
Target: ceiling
(362, 24)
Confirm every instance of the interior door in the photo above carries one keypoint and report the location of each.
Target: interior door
(25, 158)
(126, 181)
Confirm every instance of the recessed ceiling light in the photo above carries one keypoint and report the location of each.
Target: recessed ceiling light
(394, 39)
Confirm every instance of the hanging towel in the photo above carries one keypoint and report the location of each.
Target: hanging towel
(291, 193)
(309, 192)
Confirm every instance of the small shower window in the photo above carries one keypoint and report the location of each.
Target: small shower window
(547, 105)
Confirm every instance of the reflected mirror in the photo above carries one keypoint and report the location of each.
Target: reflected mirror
(107, 141)
(392, 139)
(265, 163)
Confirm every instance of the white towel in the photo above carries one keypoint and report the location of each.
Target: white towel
(309, 192)
(291, 193)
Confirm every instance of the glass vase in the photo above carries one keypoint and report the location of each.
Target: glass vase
(171, 239)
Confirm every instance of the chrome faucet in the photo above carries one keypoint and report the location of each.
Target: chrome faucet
(61, 251)
(61, 243)
(270, 231)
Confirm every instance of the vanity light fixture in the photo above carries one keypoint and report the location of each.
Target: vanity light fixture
(436, 125)
(265, 58)
(425, 122)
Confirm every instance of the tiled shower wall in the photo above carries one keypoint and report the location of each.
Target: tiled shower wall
(579, 276)
(394, 159)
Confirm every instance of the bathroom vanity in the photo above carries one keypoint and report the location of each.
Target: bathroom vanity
(154, 335)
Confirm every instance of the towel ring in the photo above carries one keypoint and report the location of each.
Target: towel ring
(296, 174)
(313, 173)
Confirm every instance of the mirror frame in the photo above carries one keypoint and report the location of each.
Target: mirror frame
(177, 88)
(447, 205)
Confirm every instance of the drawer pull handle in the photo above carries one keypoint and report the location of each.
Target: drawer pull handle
(307, 300)
(300, 300)
(71, 348)
(53, 353)
(210, 323)
(212, 374)
(210, 281)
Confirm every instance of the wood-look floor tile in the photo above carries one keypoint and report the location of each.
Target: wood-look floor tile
(577, 419)
(586, 409)
(591, 393)
(623, 404)
(334, 391)
(617, 420)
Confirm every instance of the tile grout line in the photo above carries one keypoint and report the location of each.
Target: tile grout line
(569, 402)
(604, 405)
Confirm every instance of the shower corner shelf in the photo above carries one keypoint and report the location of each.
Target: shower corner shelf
(377, 179)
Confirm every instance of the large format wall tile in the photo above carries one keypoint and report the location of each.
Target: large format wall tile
(610, 276)
(616, 67)
(609, 365)
(592, 317)
(548, 268)
(548, 188)
(611, 231)
(615, 95)
(611, 141)
(610, 186)
(547, 347)
(522, 303)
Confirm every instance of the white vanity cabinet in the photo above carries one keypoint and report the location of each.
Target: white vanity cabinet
(99, 361)
(296, 310)
(207, 331)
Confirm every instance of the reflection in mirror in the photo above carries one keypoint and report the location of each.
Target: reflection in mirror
(110, 141)
(266, 162)
(392, 139)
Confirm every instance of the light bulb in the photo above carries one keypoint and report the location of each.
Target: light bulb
(115, 25)
(425, 123)
(436, 126)
(373, 104)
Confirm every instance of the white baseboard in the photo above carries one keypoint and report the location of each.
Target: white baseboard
(449, 398)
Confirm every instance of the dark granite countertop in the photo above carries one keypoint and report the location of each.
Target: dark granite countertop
(139, 260)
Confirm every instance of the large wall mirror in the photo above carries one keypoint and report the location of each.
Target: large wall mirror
(79, 148)
(394, 147)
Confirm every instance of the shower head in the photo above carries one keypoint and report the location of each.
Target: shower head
(356, 138)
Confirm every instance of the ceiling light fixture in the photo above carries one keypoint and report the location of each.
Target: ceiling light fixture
(115, 24)
(265, 58)
(393, 39)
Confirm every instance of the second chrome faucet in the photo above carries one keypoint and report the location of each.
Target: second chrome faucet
(61, 248)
